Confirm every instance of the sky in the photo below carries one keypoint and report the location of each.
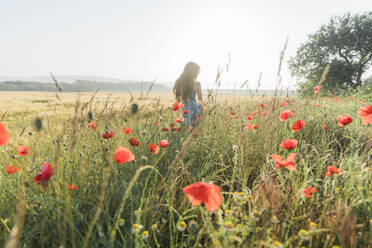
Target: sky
(154, 39)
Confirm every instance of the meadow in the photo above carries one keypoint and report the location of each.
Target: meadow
(320, 197)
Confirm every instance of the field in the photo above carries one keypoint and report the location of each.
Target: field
(90, 200)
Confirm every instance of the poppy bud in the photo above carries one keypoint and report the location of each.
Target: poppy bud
(194, 226)
(134, 108)
(38, 124)
(144, 159)
(90, 116)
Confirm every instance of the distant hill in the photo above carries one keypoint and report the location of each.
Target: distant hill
(91, 86)
(84, 86)
(76, 83)
(64, 78)
(250, 92)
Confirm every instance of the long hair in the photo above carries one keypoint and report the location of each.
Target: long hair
(184, 84)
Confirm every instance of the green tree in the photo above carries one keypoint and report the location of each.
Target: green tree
(345, 44)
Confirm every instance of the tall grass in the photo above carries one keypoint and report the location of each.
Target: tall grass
(262, 207)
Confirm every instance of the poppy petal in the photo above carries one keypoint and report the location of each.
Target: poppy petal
(123, 155)
(214, 199)
(4, 135)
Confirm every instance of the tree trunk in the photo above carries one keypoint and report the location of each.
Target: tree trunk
(358, 81)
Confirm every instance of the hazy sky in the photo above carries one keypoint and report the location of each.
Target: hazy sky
(153, 39)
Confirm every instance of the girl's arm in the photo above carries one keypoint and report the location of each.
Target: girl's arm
(200, 98)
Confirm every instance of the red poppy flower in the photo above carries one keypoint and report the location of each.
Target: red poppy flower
(344, 120)
(108, 134)
(164, 143)
(317, 89)
(154, 149)
(283, 104)
(288, 163)
(165, 129)
(191, 130)
(262, 104)
(232, 112)
(255, 113)
(93, 125)
(285, 115)
(11, 169)
(45, 174)
(4, 135)
(111, 134)
(298, 125)
(264, 113)
(23, 150)
(249, 118)
(176, 129)
(71, 187)
(308, 191)
(126, 130)
(177, 105)
(123, 155)
(335, 99)
(324, 127)
(251, 127)
(178, 120)
(289, 144)
(157, 123)
(317, 105)
(200, 192)
(172, 125)
(365, 112)
(185, 112)
(331, 170)
(134, 142)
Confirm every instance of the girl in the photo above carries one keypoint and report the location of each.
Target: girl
(185, 89)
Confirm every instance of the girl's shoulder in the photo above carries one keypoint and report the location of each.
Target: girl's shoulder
(197, 83)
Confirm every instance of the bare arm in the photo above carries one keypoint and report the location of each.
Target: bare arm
(199, 93)
(200, 98)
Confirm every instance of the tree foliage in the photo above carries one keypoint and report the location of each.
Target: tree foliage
(345, 44)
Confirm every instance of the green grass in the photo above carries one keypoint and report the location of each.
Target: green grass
(272, 208)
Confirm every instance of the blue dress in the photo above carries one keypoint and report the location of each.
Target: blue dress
(192, 107)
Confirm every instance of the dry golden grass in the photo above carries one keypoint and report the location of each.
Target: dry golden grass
(41, 103)
(64, 103)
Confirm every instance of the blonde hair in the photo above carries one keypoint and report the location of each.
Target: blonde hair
(184, 84)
